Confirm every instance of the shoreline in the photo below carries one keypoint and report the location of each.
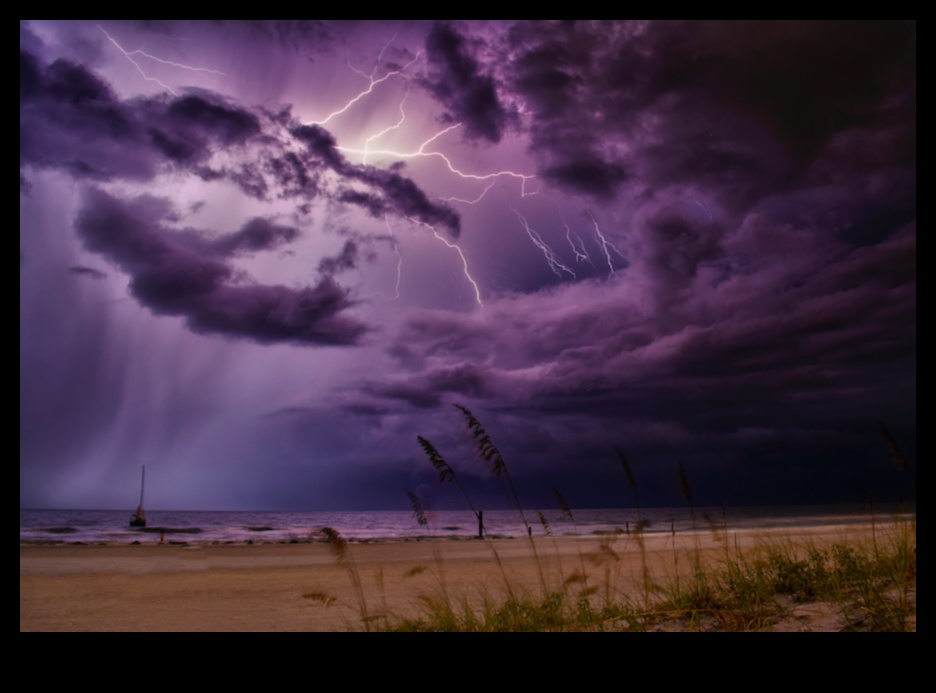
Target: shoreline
(191, 536)
(261, 586)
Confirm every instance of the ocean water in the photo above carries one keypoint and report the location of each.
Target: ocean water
(207, 527)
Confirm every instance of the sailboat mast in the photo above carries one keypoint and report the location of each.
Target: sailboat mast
(142, 485)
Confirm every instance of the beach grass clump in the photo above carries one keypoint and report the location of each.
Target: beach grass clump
(521, 611)
(870, 586)
(860, 584)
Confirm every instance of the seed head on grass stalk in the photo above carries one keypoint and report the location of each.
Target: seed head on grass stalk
(420, 514)
(566, 512)
(490, 454)
(342, 553)
(895, 454)
(418, 511)
(629, 474)
(685, 490)
(446, 473)
(563, 506)
(545, 523)
(486, 448)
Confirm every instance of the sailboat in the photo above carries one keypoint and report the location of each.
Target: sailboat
(138, 519)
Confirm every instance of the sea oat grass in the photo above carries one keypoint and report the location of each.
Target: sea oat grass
(763, 586)
(744, 582)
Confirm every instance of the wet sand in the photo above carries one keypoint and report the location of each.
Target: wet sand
(265, 587)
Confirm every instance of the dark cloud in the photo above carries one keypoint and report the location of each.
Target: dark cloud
(170, 278)
(82, 271)
(30, 76)
(735, 203)
(72, 120)
(392, 192)
(829, 342)
(292, 176)
(186, 129)
(248, 178)
(346, 259)
(427, 389)
(406, 198)
(257, 234)
(294, 35)
(590, 176)
(311, 316)
(741, 109)
(457, 82)
(322, 145)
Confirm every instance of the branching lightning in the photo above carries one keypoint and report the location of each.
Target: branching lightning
(399, 269)
(421, 152)
(605, 246)
(706, 209)
(376, 62)
(551, 258)
(387, 129)
(129, 55)
(474, 201)
(372, 82)
(582, 254)
(457, 250)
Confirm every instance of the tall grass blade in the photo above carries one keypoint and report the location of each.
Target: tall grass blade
(563, 506)
(490, 454)
(446, 473)
(685, 489)
(896, 455)
(418, 511)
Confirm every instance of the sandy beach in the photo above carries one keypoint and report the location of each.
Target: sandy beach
(267, 587)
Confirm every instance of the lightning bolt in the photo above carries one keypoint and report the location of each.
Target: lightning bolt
(129, 55)
(421, 152)
(387, 129)
(605, 245)
(377, 61)
(711, 217)
(372, 82)
(399, 268)
(579, 255)
(474, 201)
(551, 258)
(457, 250)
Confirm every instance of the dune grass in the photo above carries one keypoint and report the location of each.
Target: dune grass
(862, 585)
(705, 579)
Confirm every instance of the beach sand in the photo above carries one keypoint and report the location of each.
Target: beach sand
(261, 587)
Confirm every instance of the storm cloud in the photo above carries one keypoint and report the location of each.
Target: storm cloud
(172, 279)
(694, 241)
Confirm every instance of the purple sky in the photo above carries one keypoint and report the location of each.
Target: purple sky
(262, 257)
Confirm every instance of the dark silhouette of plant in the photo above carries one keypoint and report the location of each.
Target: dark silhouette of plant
(418, 511)
(896, 455)
(447, 475)
(490, 454)
(685, 490)
(631, 481)
(563, 506)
